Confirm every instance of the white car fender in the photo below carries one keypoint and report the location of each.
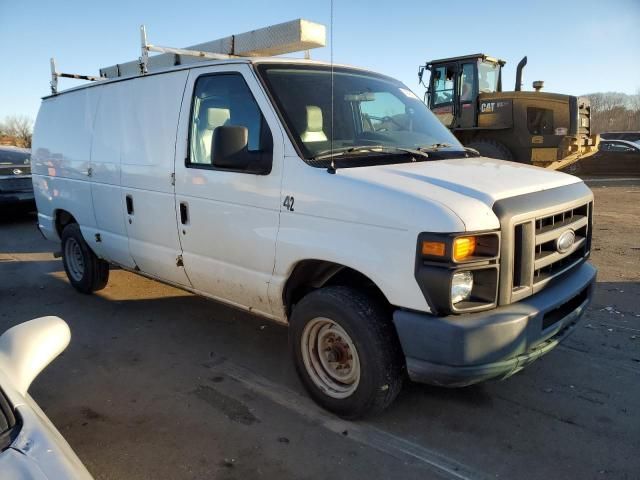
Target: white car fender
(38, 451)
(26, 349)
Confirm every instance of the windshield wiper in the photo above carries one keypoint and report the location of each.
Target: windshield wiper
(443, 150)
(434, 147)
(378, 149)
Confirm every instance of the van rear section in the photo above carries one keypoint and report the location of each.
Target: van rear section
(60, 159)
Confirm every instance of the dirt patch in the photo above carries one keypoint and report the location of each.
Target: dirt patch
(233, 409)
(91, 414)
(616, 233)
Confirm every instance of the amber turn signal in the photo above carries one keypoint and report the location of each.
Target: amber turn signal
(435, 249)
(463, 248)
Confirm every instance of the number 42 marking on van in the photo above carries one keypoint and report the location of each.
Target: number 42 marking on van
(288, 203)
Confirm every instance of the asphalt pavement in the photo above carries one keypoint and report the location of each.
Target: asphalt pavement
(158, 383)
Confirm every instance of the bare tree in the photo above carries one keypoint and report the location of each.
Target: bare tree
(634, 103)
(20, 127)
(614, 111)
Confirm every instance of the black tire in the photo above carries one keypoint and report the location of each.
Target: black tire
(94, 274)
(368, 324)
(491, 149)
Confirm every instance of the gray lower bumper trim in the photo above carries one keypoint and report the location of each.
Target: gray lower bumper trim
(463, 349)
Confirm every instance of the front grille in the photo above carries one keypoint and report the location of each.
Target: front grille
(21, 184)
(537, 258)
(530, 224)
(548, 262)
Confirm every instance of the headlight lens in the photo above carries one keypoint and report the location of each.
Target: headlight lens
(463, 248)
(461, 286)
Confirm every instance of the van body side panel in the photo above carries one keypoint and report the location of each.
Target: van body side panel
(147, 125)
(60, 158)
(229, 239)
(350, 244)
(105, 186)
(367, 227)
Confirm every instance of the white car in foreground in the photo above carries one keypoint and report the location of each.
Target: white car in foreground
(30, 446)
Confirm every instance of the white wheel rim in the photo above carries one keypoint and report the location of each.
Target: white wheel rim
(330, 358)
(74, 259)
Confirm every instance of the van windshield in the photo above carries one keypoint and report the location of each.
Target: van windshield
(373, 115)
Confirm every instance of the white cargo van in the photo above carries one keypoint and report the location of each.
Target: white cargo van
(389, 248)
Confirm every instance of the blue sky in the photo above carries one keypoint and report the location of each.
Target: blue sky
(575, 46)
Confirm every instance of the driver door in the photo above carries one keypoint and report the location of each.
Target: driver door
(227, 220)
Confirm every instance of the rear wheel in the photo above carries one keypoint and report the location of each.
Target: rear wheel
(491, 149)
(346, 351)
(85, 271)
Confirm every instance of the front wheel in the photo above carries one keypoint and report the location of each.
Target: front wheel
(346, 351)
(86, 272)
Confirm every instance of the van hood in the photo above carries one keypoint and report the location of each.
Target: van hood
(467, 186)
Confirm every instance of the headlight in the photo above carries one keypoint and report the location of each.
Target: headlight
(458, 272)
(461, 286)
(459, 248)
(463, 248)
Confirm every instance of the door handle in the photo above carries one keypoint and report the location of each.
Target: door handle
(184, 213)
(129, 200)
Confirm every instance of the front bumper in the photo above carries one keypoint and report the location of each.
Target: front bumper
(460, 350)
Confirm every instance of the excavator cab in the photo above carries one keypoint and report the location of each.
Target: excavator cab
(454, 86)
(544, 129)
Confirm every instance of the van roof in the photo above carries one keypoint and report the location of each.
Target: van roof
(208, 63)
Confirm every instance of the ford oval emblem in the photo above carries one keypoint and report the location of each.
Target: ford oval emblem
(17, 171)
(565, 241)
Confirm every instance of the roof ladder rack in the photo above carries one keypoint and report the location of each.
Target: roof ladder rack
(293, 36)
(55, 75)
(148, 47)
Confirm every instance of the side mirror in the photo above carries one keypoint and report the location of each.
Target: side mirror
(230, 151)
(229, 147)
(26, 349)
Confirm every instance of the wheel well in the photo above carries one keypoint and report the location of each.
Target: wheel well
(309, 275)
(63, 218)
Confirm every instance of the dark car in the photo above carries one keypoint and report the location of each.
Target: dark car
(16, 188)
(614, 158)
(629, 136)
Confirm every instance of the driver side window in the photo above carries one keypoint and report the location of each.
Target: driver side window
(221, 100)
(443, 85)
